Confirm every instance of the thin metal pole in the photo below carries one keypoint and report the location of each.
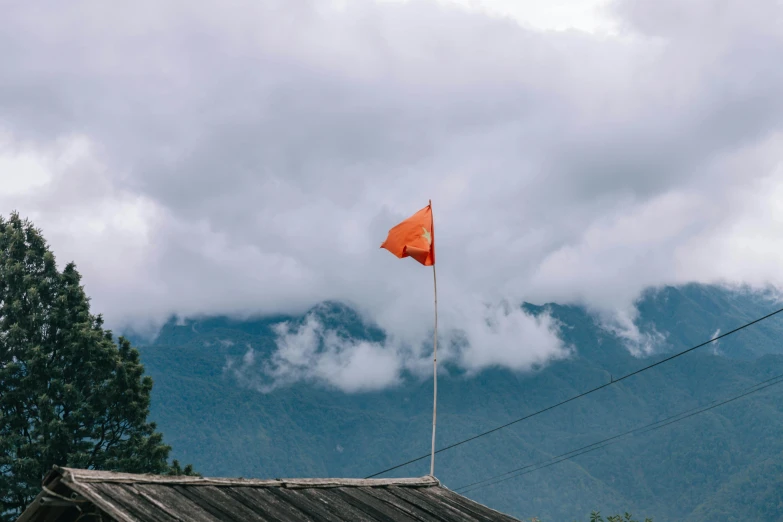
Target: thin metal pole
(435, 373)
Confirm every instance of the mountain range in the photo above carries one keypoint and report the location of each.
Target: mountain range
(724, 464)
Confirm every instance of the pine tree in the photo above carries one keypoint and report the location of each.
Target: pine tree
(69, 394)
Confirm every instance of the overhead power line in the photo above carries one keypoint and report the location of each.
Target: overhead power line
(575, 397)
(524, 470)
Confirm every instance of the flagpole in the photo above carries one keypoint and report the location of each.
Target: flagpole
(435, 373)
(434, 364)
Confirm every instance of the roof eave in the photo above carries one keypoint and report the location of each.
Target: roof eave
(76, 476)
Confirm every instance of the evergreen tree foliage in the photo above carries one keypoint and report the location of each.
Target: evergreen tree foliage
(69, 394)
(177, 469)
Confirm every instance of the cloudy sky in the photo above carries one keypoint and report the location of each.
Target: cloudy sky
(249, 156)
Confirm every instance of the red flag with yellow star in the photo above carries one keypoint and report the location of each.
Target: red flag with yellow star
(414, 238)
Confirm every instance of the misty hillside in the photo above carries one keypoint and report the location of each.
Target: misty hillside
(725, 464)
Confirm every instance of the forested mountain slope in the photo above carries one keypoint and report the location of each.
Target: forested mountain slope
(724, 464)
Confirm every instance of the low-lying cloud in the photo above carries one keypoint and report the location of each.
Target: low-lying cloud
(315, 354)
(312, 353)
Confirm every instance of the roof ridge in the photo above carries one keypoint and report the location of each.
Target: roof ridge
(75, 475)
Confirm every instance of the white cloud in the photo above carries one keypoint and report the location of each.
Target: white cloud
(21, 171)
(312, 353)
(622, 323)
(249, 158)
(65, 189)
(716, 343)
(559, 15)
(504, 337)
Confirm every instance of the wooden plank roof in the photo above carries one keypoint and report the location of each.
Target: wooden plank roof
(68, 494)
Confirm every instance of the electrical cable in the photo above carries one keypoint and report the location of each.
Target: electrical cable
(615, 439)
(575, 397)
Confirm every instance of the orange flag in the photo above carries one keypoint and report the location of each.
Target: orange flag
(414, 237)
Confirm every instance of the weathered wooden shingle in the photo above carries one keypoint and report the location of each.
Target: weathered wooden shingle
(69, 494)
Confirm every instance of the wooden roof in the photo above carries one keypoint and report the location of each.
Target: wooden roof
(68, 494)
